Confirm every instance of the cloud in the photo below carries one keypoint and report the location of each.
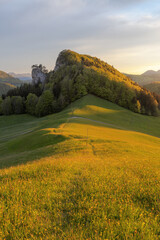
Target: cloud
(36, 30)
(126, 2)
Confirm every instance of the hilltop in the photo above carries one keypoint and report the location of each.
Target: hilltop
(76, 75)
(152, 73)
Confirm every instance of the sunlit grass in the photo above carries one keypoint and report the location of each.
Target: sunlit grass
(81, 196)
(78, 179)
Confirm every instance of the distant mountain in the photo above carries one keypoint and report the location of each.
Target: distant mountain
(22, 76)
(154, 84)
(151, 73)
(7, 78)
(8, 82)
(147, 77)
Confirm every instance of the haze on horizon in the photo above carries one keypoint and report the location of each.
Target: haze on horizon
(123, 33)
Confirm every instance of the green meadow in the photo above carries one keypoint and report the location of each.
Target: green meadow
(91, 171)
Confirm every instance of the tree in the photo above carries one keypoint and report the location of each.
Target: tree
(138, 107)
(17, 105)
(41, 67)
(148, 102)
(1, 105)
(56, 89)
(31, 103)
(45, 104)
(24, 90)
(7, 106)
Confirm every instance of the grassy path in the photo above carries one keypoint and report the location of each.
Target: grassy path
(99, 122)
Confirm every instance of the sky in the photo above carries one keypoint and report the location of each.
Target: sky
(124, 33)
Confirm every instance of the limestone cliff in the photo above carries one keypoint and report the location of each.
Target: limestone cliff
(38, 75)
(61, 61)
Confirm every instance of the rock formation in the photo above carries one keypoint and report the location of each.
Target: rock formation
(38, 74)
(60, 60)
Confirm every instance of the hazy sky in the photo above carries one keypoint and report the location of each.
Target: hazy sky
(124, 33)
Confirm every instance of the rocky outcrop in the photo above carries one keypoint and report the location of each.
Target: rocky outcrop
(60, 60)
(38, 76)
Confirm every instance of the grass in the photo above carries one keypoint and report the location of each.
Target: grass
(75, 178)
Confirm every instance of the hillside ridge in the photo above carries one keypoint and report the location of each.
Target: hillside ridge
(74, 76)
(97, 77)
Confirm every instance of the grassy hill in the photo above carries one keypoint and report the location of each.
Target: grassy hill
(8, 82)
(88, 172)
(153, 87)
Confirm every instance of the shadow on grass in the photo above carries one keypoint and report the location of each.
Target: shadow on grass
(148, 202)
(22, 151)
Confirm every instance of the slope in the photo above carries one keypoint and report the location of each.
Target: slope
(88, 110)
(153, 87)
(89, 172)
(6, 78)
(7, 82)
(5, 87)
